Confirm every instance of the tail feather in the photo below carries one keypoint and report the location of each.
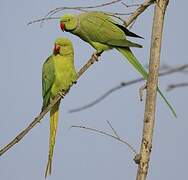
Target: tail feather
(53, 128)
(132, 59)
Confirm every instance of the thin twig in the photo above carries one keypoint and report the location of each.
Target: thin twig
(42, 19)
(81, 7)
(130, 5)
(113, 130)
(117, 15)
(174, 86)
(97, 100)
(132, 24)
(130, 19)
(107, 134)
(113, 14)
(30, 126)
(169, 71)
(138, 11)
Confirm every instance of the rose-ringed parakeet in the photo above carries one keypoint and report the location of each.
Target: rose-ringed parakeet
(103, 33)
(58, 74)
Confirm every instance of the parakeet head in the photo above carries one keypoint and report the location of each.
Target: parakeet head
(63, 46)
(68, 22)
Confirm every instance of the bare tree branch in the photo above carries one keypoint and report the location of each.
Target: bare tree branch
(80, 8)
(113, 14)
(130, 5)
(30, 126)
(168, 71)
(113, 130)
(41, 20)
(117, 15)
(174, 86)
(150, 107)
(107, 134)
(138, 11)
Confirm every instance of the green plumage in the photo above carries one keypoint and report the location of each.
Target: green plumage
(103, 33)
(58, 71)
(58, 74)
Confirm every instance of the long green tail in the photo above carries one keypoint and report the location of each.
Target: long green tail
(53, 128)
(132, 59)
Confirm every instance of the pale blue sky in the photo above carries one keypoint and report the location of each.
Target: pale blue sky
(79, 154)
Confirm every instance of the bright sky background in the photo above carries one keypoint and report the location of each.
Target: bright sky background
(80, 154)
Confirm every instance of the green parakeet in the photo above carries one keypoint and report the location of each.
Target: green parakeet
(103, 33)
(58, 74)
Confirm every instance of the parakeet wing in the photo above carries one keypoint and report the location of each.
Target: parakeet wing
(123, 43)
(48, 76)
(103, 30)
(126, 31)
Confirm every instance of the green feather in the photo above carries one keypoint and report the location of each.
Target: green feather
(48, 76)
(132, 59)
(58, 74)
(123, 43)
(103, 33)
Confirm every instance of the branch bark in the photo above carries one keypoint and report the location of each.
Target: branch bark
(150, 107)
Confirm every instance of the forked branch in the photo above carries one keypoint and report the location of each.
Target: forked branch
(115, 136)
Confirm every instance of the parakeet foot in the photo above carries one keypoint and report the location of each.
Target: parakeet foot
(62, 93)
(141, 91)
(96, 55)
(74, 82)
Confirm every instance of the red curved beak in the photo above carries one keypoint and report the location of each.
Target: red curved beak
(56, 49)
(62, 26)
